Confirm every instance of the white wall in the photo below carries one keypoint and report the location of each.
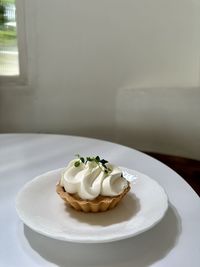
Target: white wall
(121, 70)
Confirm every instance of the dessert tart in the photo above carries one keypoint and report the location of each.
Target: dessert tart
(92, 184)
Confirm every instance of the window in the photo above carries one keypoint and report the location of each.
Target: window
(9, 61)
(13, 50)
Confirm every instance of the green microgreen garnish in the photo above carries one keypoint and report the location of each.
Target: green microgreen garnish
(77, 163)
(101, 162)
(97, 158)
(82, 159)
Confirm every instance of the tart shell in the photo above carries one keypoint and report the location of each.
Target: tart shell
(99, 204)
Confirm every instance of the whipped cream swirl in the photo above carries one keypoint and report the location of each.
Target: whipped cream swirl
(90, 180)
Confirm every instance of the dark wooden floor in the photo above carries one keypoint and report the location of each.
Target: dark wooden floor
(189, 169)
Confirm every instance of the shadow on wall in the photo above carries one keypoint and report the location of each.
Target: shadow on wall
(151, 139)
(162, 140)
(100, 132)
(148, 138)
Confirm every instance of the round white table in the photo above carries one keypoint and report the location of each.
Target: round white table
(175, 241)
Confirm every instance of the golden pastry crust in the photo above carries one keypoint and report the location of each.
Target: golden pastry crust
(99, 204)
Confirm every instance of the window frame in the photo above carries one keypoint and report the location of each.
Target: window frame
(20, 79)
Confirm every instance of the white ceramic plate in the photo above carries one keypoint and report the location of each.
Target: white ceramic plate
(39, 207)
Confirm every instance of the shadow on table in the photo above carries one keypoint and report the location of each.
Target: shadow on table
(141, 251)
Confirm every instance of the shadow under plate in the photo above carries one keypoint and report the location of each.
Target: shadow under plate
(141, 250)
